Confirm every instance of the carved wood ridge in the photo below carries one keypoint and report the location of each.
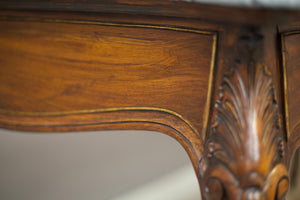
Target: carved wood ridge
(245, 147)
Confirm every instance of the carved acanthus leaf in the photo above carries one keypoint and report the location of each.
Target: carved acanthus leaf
(247, 117)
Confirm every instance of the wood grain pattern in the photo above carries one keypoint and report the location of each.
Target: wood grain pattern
(290, 37)
(64, 75)
(96, 65)
(159, 65)
(292, 91)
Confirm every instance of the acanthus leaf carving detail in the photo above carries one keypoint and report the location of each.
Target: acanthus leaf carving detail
(245, 144)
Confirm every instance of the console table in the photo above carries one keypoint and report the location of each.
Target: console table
(223, 81)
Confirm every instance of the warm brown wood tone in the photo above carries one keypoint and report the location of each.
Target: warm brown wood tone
(97, 65)
(245, 148)
(161, 65)
(248, 112)
(88, 68)
(292, 77)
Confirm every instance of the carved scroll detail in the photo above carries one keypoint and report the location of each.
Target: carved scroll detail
(246, 143)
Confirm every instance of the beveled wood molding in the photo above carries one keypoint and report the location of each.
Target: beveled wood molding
(166, 8)
(138, 118)
(160, 119)
(290, 90)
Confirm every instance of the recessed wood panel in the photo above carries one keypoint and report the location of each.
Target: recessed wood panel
(71, 66)
(292, 78)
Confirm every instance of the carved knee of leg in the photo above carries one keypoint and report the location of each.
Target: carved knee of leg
(245, 148)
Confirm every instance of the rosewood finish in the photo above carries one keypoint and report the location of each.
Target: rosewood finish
(222, 81)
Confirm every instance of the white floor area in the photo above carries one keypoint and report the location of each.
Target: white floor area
(167, 187)
(95, 166)
(122, 165)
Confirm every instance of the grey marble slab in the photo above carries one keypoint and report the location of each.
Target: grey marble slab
(277, 4)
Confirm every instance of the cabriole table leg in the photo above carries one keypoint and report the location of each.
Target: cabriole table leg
(245, 147)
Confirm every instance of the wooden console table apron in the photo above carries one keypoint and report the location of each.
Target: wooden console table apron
(223, 81)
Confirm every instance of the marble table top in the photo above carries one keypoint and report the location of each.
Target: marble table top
(292, 4)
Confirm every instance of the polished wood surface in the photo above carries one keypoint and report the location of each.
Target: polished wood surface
(224, 86)
(291, 67)
(103, 66)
